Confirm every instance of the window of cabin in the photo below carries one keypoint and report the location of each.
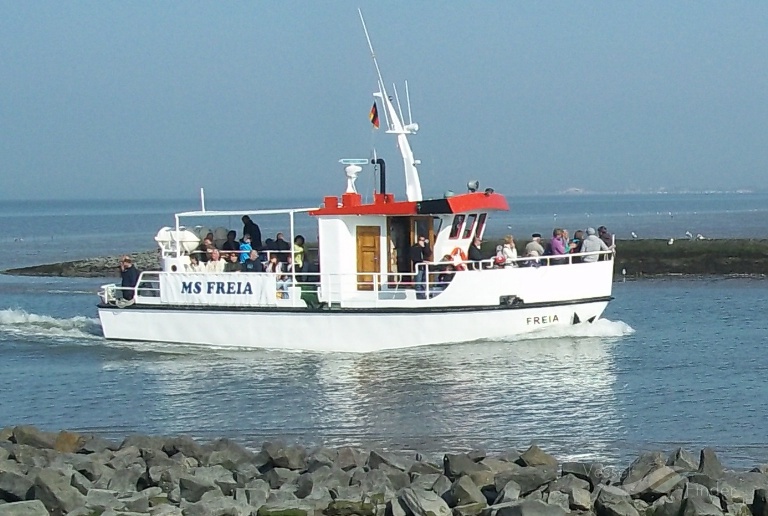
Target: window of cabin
(470, 226)
(458, 221)
(437, 224)
(480, 225)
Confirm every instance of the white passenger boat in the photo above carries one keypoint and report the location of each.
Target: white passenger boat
(366, 294)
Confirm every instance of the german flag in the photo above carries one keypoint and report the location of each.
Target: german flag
(373, 116)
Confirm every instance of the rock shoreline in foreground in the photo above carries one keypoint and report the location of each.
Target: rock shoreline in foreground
(78, 475)
(637, 257)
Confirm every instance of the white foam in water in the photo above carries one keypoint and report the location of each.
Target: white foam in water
(20, 322)
(601, 328)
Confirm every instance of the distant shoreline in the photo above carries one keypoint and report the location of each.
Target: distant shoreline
(638, 258)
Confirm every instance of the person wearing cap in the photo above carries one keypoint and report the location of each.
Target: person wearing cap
(592, 244)
(129, 275)
(534, 245)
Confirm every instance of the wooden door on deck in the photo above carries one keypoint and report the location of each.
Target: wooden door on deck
(368, 252)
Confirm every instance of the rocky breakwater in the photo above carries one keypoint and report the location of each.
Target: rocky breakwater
(71, 474)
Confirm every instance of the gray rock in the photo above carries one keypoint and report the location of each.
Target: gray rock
(283, 456)
(700, 478)
(535, 456)
(529, 478)
(351, 493)
(692, 489)
(12, 466)
(321, 456)
(320, 498)
(739, 487)
(532, 508)
(55, 491)
(142, 441)
(441, 486)
(375, 482)
(613, 501)
(456, 465)
(760, 502)
(304, 485)
(186, 445)
(592, 472)
(739, 509)
(31, 436)
(641, 506)
(560, 499)
(279, 476)
(26, 508)
(229, 454)
(15, 487)
(496, 465)
(666, 506)
(463, 491)
(192, 488)
(424, 468)
(641, 466)
(510, 492)
(761, 468)
(483, 479)
(4, 454)
(700, 507)
(257, 492)
(579, 499)
(219, 475)
(710, 465)
(136, 502)
(102, 499)
(281, 496)
(425, 481)
(682, 460)
(377, 458)
(166, 510)
(423, 503)
(330, 477)
(31, 456)
(126, 480)
(567, 483)
(477, 455)
(80, 482)
(471, 509)
(350, 508)
(126, 457)
(218, 506)
(96, 444)
(350, 458)
(657, 482)
(395, 508)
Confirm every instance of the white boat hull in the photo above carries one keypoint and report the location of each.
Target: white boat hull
(337, 331)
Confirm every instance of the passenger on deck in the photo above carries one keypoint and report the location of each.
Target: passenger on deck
(284, 279)
(273, 265)
(531, 259)
(204, 250)
(297, 253)
(557, 247)
(605, 236)
(420, 252)
(129, 277)
(232, 263)
(245, 248)
(215, 264)
(252, 263)
(251, 228)
(592, 244)
(534, 245)
(282, 247)
(509, 252)
(445, 277)
(194, 264)
(475, 253)
(231, 244)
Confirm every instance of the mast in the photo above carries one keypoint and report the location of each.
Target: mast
(397, 127)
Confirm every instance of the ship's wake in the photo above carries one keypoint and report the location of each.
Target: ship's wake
(23, 324)
(601, 328)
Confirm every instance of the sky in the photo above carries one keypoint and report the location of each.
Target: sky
(128, 100)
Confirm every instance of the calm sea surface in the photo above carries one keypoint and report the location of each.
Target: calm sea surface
(674, 362)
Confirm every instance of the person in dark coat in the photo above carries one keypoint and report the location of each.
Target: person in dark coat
(251, 228)
(129, 275)
(282, 247)
(419, 253)
(475, 253)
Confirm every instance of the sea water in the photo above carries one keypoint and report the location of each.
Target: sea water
(677, 362)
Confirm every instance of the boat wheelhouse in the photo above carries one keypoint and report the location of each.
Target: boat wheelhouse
(366, 293)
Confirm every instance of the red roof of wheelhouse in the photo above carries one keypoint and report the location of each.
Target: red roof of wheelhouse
(385, 204)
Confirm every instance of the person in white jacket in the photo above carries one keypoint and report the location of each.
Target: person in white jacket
(509, 251)
(591, 244)
(215, 264)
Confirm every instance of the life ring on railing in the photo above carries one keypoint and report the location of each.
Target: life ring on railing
(459, 257)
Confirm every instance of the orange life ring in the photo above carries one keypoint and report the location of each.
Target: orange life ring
(457, 251)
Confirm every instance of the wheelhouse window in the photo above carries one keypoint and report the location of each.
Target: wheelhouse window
(458, 222)
(470, 226)
(480, 225)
